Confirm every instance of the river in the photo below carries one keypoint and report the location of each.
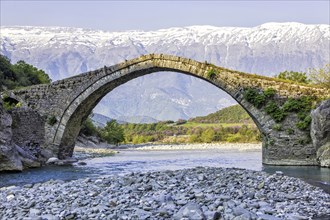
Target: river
(127, 161)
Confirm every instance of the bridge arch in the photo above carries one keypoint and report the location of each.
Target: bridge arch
(106, 79)
(63, 105)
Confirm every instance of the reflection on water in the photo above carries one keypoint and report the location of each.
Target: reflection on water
(136, 161)
(318, 176)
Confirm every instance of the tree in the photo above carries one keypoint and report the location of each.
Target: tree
(208, 135)
(88, 128)
(29, 75)
(7, 75)
(321, 76)
(112, 133)
(20, 74)
(299, 77)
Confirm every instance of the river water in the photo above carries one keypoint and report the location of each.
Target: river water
(142, 161)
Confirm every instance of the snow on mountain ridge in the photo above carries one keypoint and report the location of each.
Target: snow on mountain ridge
(265, 49)
(185, 35)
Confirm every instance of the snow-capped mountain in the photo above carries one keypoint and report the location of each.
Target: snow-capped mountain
(266, 49)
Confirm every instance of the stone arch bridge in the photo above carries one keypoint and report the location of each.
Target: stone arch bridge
(60, 108)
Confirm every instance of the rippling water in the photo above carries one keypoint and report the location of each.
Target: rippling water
(136, 161)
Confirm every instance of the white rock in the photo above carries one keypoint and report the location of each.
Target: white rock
(10, 197)
(52, 160)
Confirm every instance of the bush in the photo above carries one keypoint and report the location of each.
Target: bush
(112, 133)
(292, 105)
(305, 124)
(89, 129)
(279, 115)
(277, 127)
(193, 138)
(233, 138)
(321, 76)
(289, 131)
(211, 74)
(52, 120)
(299, 77)
(181, 122)
(208, 135)
(254, 97)
(20, 74)
(270, 92)
(271, 107)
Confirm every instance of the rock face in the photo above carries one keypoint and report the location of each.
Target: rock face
(323, 155)
(320, 132)
(9, 158)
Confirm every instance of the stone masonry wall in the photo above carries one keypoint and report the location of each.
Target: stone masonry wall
(28, 130)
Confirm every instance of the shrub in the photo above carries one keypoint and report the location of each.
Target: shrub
(321, 76)
(52, 120)
(277, 127)
(232, 138)
(270, 92)
(291, 105)
(194, 138)
(208, 135)
(254, 97)
(88, 128)
(271, 107)
(211, 74)
(304, 125)
(289, 131)
(275, 112)
(279, 115)
(301, 104)
(112, 133)
(299, 77)
(181, 122)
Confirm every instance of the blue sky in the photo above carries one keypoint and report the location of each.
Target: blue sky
(153, 15)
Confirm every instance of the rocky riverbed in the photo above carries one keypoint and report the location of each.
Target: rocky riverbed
(198, 193)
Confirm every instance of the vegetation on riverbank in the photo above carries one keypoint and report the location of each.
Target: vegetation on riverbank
(231, 124)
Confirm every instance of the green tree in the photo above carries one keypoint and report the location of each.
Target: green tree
(321, 76)
(29, 75)
(7, 75)
(299, 77)
(20, 74)
(194, 138)
(88, 128)
(112, 133)
(208, 135)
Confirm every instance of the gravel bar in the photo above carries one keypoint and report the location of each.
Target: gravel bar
(197, 193)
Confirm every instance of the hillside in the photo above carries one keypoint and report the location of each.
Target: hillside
(231, 114)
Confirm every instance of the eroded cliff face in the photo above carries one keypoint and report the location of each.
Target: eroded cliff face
(320, 132)
(9, 157)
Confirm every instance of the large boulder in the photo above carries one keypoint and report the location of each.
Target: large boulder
(9, 157)
(190, 211)
(323, 155)
(320, 132)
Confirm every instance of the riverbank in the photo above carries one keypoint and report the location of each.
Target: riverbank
(82, 153)
(198, 193)
(202, 146)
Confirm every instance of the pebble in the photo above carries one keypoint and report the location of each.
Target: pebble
(196, 193)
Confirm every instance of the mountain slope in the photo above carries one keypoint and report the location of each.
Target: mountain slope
(231, 114)
(266, 49)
